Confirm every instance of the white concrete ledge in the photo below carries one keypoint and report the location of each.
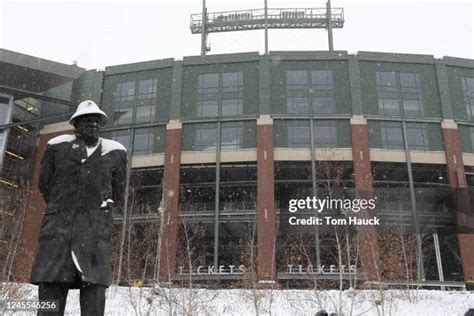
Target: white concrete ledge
(387, 155)
(358, 120)
(239, 155)
(292, 154)
(190, 157)
(334, 154)
(416, 156)
(174, 124)
(433, 157)
(304, 154)
(450, 124)
(298, 154)
(468, 159)
(56, 127)
(142, 161)
(265, 120)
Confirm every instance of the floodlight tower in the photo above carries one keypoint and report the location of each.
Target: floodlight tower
(204, 47)
(255, 19)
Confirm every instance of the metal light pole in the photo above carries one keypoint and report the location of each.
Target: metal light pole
(161, 211)
(125, 204)
(204, 29)
(266, 28)
(421, 269)
(328, 14)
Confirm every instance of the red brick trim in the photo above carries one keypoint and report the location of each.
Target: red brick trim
(266, 235)
(170, 220)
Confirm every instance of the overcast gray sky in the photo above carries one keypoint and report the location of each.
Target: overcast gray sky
(105, 33)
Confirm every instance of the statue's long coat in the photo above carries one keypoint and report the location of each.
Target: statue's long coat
(74, 190)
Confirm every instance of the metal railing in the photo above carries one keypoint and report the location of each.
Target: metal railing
(276, 18)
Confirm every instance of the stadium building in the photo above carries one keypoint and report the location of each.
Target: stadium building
(220, 145)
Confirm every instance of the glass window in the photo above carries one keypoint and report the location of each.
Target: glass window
(208, 89)
(417, 136)
(386, 79)
(4, 100)
(321, 79)
(123, 116)
(413, 108)
(411, 94)
(387, 93)
(231, 81)
(468, 88)
(207, 108)
(124, 140)
(4, 109)
(125, 91)
(231, 137)
(147, 88)
(389, 106)
(299, 135)
(139, 108)
(392, 95)
(298, 106)
(232, 87)
(323, 105)
(123, 137)
(220, 90)
(145, 114)
(143, 141)
(409, 80)
(309, 92)
(471, 132)
(208, 82)
(325, 134)
(392, 136)
(206, 138)
(297, 80)
(470, 111)
(231, 107)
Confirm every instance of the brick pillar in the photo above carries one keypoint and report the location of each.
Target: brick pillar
(265, 200)
(460, 196)
(170, 220)
(369, 250)
(35, 205)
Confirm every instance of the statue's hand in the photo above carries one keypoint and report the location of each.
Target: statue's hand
(107, 204)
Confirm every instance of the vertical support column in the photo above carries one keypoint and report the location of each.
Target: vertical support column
(354, 80)
(170, 220)
(35, 205)
(443, 87)
(460, 196)
(369, 249)
(264, 77)
(266, 235)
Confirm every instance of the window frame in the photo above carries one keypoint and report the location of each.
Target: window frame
(199, 141)
(219, 93)
(301, 95)
(332, 126)
(132, 103)
(468, 97)
(234, 145)
(296, 131)
(410, 127)
(387, 130)
(392, 89)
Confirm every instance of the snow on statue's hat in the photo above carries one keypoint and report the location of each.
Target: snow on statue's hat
(88, 107)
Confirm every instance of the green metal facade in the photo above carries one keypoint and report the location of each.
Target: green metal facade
(264, 90)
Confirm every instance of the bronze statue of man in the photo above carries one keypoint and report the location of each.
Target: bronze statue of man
(82, 177)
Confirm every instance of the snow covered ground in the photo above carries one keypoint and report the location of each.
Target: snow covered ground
(147, 301)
